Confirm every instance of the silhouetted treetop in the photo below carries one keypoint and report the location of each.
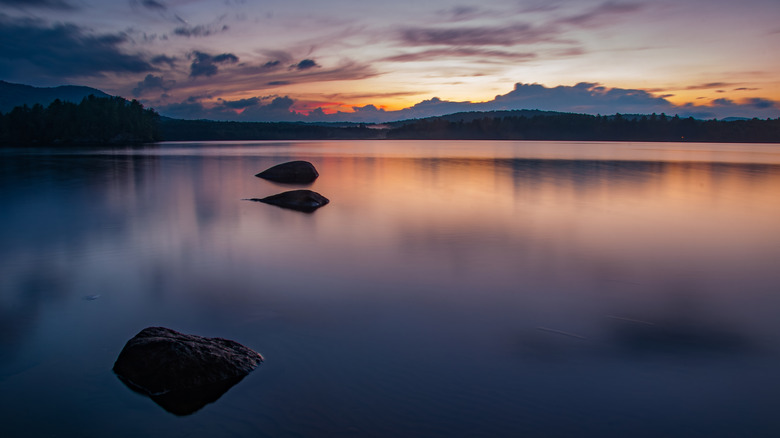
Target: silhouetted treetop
(94, 120)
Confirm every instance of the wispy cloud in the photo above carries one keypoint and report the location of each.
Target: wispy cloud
(601, 14)
(465, 36)
(378, 95)
(43, 4)
(464, 13)
(486, 55)
(549, 32)
(245, 76)
(153, 4)
(201, 30)
(164, 59)
(709, 85)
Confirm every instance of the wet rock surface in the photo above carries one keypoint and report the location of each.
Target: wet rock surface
(300, 200)
(181, 372)
(292, 172)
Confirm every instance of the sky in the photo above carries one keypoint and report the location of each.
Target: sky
(376, 61)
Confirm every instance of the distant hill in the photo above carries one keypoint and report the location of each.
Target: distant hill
(470, 116)
(13, 95)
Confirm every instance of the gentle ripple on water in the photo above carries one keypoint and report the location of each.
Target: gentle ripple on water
(449, 289)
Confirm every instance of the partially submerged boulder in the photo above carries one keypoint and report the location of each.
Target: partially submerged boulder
(293, 172)
(180, 372)
(301, 200)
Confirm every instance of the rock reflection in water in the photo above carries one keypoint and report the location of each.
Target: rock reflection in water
(187, 401)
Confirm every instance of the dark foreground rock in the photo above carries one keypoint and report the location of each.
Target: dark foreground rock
(293, 172)
(182, 373)
(301, 200)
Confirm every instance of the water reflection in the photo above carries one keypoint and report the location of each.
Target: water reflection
(188, 401)
(414, 301)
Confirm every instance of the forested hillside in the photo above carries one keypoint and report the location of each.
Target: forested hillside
(96, 120)
(565, 126)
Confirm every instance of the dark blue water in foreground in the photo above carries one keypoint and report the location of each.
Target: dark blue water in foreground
(450, 289)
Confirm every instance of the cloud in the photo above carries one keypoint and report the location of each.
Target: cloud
(761, 103)
(462, 52)
(199, 30)
(33, 48)
(304, 65)
(519, 33)
(709, 85)
(151, 83)
(757, 103)
(722, 102)
(466, 36)
(598, 15)
(461, 13)
(226, 57)
(154, 5)
(584, 97)
(241, 103)
(43, 4)
(279, 109)
(163, 59)
(206, 65)
(244, 76)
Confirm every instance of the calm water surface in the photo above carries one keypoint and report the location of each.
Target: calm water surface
(450, 289)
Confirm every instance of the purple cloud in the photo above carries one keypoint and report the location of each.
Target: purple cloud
(461, 52)
(151, 83)
(584, 97)
(32, 48)
(199, 30)
(43, 4)
(761, 103)
(305, 65)
(206, 65)
(154, 5)
(597, 15)
(241, 103)
(477, 35)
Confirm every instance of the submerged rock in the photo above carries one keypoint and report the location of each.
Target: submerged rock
(180, 372)
(293, 172)
(301, 200)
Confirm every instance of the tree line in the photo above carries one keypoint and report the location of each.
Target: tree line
(207, 130)
(95, 120)
(114, 120)
(565, 126)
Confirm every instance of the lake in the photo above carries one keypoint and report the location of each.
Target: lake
(449, 289)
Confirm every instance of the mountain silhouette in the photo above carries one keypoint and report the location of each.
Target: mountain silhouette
(13, 95)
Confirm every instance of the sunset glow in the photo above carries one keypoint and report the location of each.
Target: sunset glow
(378, 61)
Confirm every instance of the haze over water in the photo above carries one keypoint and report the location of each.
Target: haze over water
(448, 289)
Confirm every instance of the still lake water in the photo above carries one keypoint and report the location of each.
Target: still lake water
(450, 289)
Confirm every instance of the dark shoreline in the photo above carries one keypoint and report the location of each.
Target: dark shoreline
(116, 121)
